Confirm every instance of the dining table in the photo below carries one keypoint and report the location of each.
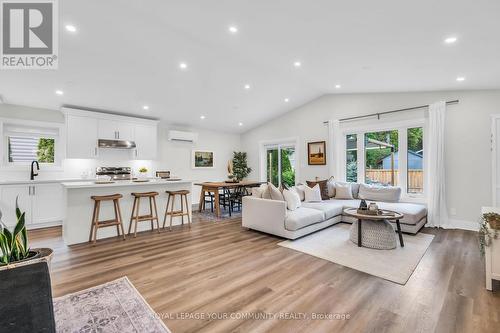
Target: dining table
(216, 187)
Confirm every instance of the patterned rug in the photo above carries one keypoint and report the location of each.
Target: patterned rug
(115, 306)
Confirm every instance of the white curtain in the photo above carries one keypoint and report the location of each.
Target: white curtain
(438, 212)
(333, 157)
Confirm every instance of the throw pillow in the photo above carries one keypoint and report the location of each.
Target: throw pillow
(257, 192)
(275, 193)
(300, 190)
(380, 193)
(312, 194)
(354, 188)
(330, 184)
(343, 191)
(323, 187)
(266, 194)
(292, 199)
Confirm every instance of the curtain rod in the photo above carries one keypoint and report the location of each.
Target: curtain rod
(378, 114)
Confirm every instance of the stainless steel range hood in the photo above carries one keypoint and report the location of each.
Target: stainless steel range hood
(115, 144)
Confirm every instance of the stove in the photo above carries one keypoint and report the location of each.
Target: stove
(116, 173)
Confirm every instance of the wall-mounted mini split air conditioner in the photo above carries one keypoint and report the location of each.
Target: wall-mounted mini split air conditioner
(182, 136)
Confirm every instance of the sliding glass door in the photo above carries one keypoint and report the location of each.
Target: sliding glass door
(280, 164)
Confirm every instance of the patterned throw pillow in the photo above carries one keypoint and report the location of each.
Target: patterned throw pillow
(323, 187)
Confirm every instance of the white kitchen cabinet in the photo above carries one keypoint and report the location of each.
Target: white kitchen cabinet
(43, 204)
(81, 137)
(115, 130)
(47, 203)
(492, 254)
(8, 196)
(146, 140)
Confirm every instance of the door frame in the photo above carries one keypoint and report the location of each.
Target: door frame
(494, 148)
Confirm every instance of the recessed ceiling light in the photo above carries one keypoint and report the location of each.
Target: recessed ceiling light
(202, 117)
(70, 28)
(287, 100)
(247, 86)
(460, 79)
(232, 29)
(145, 107)
(183, 65)
(59, 92)
(240, 124)
(297, 64)
(338, 86)
(450, 40)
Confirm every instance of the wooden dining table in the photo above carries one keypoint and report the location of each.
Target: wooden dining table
(215, 187)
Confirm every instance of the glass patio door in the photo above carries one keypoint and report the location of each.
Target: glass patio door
(280, 164)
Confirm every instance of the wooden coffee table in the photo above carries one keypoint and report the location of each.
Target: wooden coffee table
(385, 215)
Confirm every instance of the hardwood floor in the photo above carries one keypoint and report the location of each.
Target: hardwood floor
(222, 268)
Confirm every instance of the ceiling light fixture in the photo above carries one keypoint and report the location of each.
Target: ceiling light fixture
(297, 64)
(450, 40)
(202, 117)
(287, 100)
(338, 86)
(59, 92)
(233, 29)
(247, 86)
(240, 124)
(70, 28)
(145, 107)
(183, 65)
(460, 79)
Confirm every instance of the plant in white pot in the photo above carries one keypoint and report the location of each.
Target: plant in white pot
(25, 285)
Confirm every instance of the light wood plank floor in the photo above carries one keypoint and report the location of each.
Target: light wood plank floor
(223, 268)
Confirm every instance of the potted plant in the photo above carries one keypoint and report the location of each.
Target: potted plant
(143, 171)
(488, 230)
(240, 166)
(25, 288)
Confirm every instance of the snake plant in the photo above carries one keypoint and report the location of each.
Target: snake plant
(14, 245)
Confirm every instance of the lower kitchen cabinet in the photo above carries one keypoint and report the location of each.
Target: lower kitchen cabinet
(42, 203)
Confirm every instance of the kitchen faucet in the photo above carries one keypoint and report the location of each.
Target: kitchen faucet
(33, 174)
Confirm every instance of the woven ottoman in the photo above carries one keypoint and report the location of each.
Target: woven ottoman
(378, 235)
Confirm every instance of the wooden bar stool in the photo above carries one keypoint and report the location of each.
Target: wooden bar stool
(135, 217)
(173, 213)
(117, 221)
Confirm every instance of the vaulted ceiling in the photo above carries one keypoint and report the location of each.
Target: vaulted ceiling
(125, 55)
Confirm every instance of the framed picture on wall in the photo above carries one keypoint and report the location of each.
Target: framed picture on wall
(316, 153)
(203, 159)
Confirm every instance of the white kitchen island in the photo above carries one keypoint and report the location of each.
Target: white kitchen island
(79, 206)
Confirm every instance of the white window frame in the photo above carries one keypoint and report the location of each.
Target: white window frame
(402, 128)
(287, 142)
(59, 145)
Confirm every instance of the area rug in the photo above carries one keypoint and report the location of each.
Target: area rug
(112, 307)
(333, 244)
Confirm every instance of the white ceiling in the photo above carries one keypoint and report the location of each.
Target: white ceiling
(126, 54)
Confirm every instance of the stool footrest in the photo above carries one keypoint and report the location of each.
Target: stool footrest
(145, 218)
(107, 223)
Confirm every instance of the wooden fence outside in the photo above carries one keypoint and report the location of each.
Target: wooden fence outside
(415, 178)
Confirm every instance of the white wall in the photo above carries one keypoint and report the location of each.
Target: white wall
(173, 156)
(467, 138)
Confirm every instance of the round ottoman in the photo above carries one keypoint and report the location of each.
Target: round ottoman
(374, 234)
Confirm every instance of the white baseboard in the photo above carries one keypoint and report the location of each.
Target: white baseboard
(462, 224)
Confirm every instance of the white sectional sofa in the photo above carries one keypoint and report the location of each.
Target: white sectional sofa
(273, 217)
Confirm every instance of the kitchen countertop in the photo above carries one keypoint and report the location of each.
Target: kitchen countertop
(122, 183)
(42, 181)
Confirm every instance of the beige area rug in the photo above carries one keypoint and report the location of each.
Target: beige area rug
(115, 306)
(333, 244)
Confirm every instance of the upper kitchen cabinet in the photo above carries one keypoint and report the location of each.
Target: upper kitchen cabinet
(85, 128)
(81, 134)
(146, 138)
(115, 130)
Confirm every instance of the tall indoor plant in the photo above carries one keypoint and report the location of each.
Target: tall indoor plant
(14, 244)
(240, 166)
